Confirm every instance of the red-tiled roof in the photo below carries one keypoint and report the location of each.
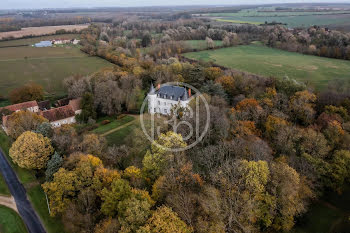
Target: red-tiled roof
(60, 113)
(21, 106)
(4, 120)
(75, 104)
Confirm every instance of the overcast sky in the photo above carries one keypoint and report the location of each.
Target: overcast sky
(34, 4)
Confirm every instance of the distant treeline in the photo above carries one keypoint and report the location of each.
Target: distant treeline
(17, 24)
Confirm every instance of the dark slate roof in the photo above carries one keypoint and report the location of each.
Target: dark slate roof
(62, 102)
(152, 90)
(44, 105)
(172, 92)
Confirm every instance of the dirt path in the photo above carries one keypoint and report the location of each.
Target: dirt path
(122, 126)
(8, 202)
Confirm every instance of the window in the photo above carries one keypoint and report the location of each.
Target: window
(158, 102)
(164, 103)
(165, 111)
(155, 110)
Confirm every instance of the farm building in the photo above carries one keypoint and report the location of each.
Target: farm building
(42, 44)
(31, 106)
(63, 114)
(59, 116)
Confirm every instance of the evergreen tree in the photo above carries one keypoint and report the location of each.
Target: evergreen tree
(53, 165)
(88, 109)
(45, 129)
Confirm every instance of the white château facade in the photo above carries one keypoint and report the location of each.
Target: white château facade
(166, 97)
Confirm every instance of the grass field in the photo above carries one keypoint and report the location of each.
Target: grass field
(45, 66)
(3, 187)
(258, 59)
(10, 221)
(118, 137)
(291, 19)
(114, 124)
(200, 44)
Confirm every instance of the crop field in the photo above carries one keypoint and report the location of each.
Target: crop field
(46, 66)
(291, 19)
(41, 30)
(261, 60)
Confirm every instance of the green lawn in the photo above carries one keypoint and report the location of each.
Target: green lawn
(114, 124)
(329, 215)
(38, 200)
(10, 221)
(45, 66)
(3, 187)
(118, 137)
(258, 59)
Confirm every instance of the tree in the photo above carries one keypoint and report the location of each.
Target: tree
(290, 194)
(87, 108)
(340, 169)
(60, 190)
(301, 106)
(19, 122)
(212, 73)
(64, 138)
(45, 129)
(119, 191)
(210, 43)
(242, 185)
(146, 39)
(93, 144)
(164, 220)
(31, 150)
(108, 225)
(133, 213)
(157, 160)
(53, 165)
(27, 93)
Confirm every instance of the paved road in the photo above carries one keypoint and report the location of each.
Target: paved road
(17, 190)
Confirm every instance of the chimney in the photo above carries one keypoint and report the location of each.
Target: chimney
(189, 92)
(158, 87)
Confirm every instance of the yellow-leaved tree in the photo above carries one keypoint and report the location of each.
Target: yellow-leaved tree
(165, 220)
(21, 121)
(31, 150)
